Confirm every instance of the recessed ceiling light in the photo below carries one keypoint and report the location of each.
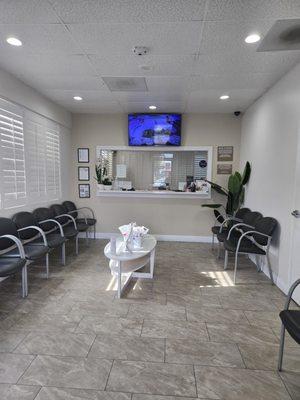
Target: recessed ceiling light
(254, 38)
(14, 41)
(224, 97)
(152, 107)
(77, 98)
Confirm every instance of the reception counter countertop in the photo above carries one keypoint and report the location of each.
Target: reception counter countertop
(153, 194)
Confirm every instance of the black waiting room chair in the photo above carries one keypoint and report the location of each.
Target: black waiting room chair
(229, 222)
(53, 230)
(254, 239)
(290, 322)
(28, 233)
(67, 222)
(82, 215)
(9, 241)
(219, 220)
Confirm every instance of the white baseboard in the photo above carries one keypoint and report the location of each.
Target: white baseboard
(161, 238)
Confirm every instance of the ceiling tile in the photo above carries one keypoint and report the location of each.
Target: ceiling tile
(209, 101)
(20, 64)
(89, 96)
(26, 12)
(131, 65)
(105, 107)
(79, 11)
(165, 38)
(37, 39)
(237, 10)
(241, 62)
(66, 82)
(229, 81)
(162, 106)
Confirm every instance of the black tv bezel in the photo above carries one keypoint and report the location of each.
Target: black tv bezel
(154, 145)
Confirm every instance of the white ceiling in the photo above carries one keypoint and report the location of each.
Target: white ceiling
(196, 51)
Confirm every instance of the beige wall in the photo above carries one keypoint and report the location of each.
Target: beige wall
(163, 216)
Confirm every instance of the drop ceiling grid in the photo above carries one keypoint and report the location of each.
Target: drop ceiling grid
(196, 53)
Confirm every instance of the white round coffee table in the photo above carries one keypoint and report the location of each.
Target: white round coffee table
(124, 262)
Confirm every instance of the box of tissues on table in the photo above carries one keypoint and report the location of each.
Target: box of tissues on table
(133, 235)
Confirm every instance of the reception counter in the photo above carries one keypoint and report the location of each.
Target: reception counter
(167, 194)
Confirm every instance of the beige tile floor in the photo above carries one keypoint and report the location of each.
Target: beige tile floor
(187, 334)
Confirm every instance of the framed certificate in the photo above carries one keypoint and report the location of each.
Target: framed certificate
(83, 173)
(83, 155)
(225, 153)
(84, 190)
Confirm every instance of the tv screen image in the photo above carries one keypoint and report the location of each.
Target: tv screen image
(154, 129)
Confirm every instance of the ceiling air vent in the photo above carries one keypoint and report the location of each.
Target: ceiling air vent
(125, 84)
(284, 35)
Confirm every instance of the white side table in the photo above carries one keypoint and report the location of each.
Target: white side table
(127, 263)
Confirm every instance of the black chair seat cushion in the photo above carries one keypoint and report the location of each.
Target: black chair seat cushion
(222, 236)
(90, 221)
(70, 231)
(247, 246)
(10, 266)
(82, 226)
(53, 239)
(32, 252)
(291, 321)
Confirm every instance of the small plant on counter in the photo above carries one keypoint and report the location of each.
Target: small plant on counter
(235, 191)
(107, 182)
(100, 173)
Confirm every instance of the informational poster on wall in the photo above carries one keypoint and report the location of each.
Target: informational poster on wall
(224, 169)
(225, 153)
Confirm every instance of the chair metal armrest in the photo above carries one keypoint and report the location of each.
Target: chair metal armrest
(236, 226)
(229, 219)
(247, 233)
(17, 242)
(87, 208)
(69, 216)
(77, 211)
(54, 221)
(42, 233)
(290, 293)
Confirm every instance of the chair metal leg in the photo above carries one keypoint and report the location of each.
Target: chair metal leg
(226, 260)
(213, 241)
(219, 250)
(95, 231)
(47, 265)
(63, 254)
(23, 283)
(269, 267)
(76, 244)
(87, 237)
(281, 347)
(235, 266)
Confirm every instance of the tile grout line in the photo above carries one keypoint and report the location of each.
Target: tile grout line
(26, 369)
(108, 376)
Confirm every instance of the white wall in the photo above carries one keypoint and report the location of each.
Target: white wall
(16, 91)
(184, 217)
(270, 131)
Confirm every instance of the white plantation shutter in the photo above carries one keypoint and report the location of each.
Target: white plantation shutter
(52, 161)
(30, 157)
(12, 157)
(35, 157)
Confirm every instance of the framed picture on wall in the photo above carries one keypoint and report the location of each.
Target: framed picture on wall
(225, 153)
(84, 190)
(83, 155)
(83, 173)
(224, 169)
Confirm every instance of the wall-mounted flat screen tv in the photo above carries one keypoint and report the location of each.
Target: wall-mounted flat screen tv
(154, 129)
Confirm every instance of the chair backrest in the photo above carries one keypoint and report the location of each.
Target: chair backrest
(23, 219)
(242, 212)
(251, 218)
(266, 225)
(7, 227)
(70, 206)
(43, 213)
(59, 209)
